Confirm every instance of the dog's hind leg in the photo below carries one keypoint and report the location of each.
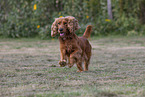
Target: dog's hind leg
(79, 66)
(76, 57)
(86, 62)
(86, 65)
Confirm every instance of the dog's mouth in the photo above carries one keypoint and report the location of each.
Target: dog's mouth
(61, 33)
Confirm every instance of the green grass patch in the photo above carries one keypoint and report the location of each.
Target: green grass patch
(29, 68)
(60, 94)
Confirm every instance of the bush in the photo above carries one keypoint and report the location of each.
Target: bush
(30, 18)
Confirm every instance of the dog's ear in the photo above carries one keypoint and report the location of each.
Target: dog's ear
(54, 28)
(73, 24)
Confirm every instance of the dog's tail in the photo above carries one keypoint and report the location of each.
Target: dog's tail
(88, 31)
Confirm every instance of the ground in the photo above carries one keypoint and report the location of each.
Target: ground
(29, 67)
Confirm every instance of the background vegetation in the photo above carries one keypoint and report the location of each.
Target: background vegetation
(30, 18)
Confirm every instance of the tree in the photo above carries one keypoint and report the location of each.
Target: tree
(109, 9)
(142, 12)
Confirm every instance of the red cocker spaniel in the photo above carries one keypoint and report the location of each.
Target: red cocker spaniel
(73, 49)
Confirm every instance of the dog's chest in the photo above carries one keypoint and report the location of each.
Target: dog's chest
(69, 47)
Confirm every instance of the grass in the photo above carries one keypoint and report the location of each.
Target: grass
(29, 67)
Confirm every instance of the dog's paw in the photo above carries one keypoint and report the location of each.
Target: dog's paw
(69, 65)
(62, 63)
(86, 70)
(79, 71)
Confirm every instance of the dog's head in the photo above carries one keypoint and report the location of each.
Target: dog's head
(64, 25)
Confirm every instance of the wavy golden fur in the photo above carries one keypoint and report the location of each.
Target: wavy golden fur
(73, 49)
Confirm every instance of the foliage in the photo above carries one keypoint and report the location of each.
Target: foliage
(29, 18)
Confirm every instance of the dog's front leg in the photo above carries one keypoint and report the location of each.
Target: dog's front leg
(63, 58)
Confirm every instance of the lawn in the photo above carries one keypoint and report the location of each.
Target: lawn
(29, 67)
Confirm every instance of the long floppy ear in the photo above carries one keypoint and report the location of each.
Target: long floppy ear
(54, 28)
(73, 24)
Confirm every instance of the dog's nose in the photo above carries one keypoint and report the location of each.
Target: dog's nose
(61, 29)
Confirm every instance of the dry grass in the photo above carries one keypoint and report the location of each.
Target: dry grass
(29, 67)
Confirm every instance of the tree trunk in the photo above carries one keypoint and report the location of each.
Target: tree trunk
(142, 12)
(121, 7)
(109, 9)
